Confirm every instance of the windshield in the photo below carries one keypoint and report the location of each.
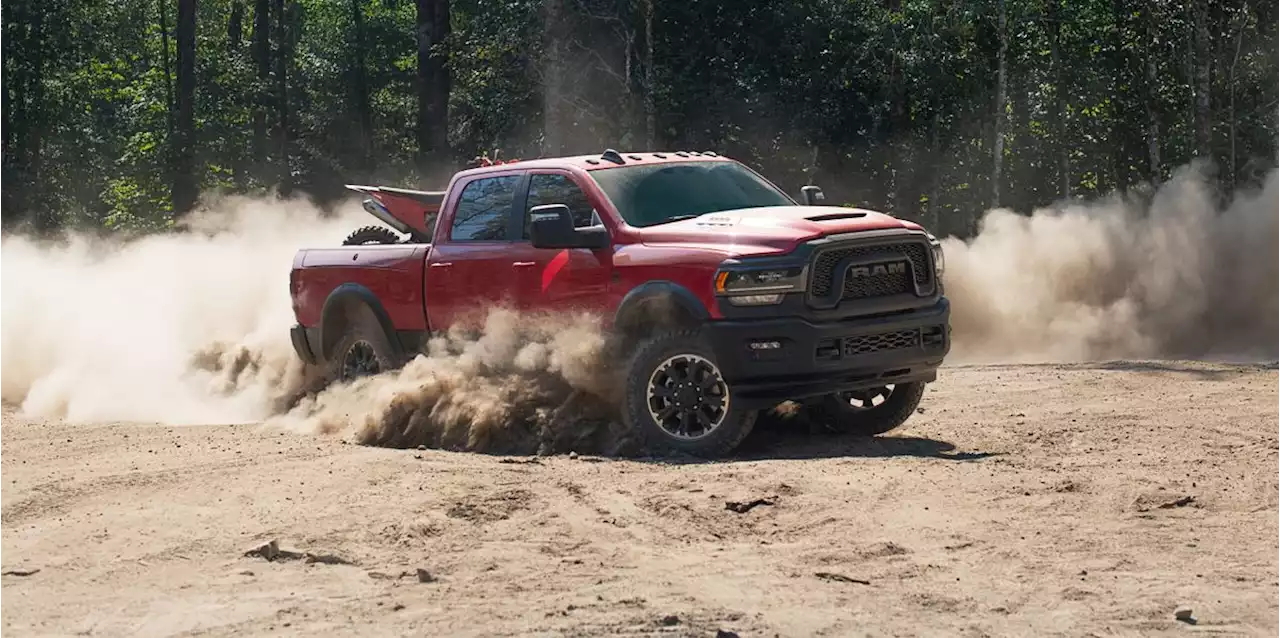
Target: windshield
(659, 193)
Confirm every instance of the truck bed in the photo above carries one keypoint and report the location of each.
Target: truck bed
(393, 273)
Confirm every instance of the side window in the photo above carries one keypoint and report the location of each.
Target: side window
(559, 189)
(484, 209)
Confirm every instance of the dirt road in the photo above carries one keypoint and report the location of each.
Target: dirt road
(1024, 500)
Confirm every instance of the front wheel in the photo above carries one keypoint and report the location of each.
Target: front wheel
(870, 411)
(677, 399)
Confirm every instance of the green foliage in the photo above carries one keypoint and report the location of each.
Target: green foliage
(888, 105)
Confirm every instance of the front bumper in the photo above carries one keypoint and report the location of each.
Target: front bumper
(768, 361)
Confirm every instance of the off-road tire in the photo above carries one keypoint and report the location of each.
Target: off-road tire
(645, 361)
(362, 331)
(371, 235)
(834, 412)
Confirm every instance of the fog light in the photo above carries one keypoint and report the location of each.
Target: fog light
(755, 300)
(765, 345)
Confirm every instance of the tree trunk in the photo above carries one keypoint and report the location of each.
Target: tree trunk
(632, 131)
(1231, 95)
(997, 146)
(1060, 90)
(284, 170)
(898, 132)
(434, 85)
(1203, 58)
(935, 170)
(650, 106)
(1152, 97)
(35, 131)
(5, 127)
(1275, 132)
(168, 72)
(235, 25)
(262, 59)
(360, 89)
(235, 39)
(553, 78)
(1119, 137)
(184, 175)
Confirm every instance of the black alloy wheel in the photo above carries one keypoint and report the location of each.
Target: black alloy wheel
(677, 399)
(687, 396)
(867, 399)
(360, 360)
(869, 411)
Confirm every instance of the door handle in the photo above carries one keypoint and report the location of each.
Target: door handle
(442, 264)
(523, 264)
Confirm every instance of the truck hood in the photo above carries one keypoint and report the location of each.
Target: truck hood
(769, 229)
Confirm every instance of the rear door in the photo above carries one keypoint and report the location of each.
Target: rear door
(560, 279)
(470, 268)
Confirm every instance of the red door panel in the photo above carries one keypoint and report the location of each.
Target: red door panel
(464, 281)
(561, 280)
(470, 268)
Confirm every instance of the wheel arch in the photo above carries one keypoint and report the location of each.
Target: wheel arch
(658, 305)
(340, 309)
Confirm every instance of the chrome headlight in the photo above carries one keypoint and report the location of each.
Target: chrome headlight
(758, 286)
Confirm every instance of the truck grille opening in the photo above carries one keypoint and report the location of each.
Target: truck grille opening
(878, 272)
(867, 344)
(877, 285)
(925, 338)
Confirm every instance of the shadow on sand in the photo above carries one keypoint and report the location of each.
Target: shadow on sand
(1205, 370)
(779, 443)
(776, 439)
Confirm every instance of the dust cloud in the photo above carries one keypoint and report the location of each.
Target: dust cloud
(179, 328)
(1172, 274)
(192, 327)
(520, 385)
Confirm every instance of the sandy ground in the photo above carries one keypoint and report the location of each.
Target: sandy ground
(1024, 500)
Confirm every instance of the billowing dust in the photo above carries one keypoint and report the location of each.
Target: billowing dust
(520, 385)
(1172, 275)
(192, 326)
(181, 328)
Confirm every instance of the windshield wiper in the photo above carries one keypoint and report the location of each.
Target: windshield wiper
(677, 218)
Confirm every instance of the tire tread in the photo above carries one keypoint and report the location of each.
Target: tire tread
(738, 423)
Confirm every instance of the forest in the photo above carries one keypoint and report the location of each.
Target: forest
(120, 115)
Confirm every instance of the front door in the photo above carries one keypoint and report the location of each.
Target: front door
(559, 280)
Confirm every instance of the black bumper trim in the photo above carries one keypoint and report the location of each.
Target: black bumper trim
(767, 376)
(301, 345)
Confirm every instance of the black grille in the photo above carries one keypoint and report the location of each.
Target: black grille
(867, 344)
(874, 284)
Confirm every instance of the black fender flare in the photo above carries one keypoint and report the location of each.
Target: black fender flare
(658, 304)
(334, 312)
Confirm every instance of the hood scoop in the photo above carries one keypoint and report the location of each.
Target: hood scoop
(829, 217)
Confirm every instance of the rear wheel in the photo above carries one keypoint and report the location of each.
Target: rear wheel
(362, 350)
(870, 411)
(677, 399)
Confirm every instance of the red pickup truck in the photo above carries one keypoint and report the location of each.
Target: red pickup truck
(733, 296)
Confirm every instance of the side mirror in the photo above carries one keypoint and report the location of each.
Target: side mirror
(812, 195)
(551, 226)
